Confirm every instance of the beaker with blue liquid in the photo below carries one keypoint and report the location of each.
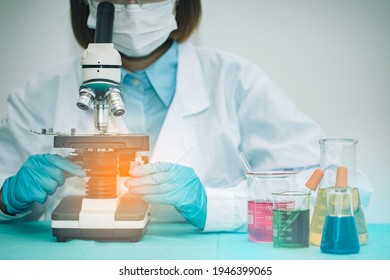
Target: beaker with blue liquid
(340, 235)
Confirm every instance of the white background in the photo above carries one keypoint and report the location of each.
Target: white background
(109, 269)
(330, 56)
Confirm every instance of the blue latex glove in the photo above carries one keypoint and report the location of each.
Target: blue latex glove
(39, 176)
(171, 184)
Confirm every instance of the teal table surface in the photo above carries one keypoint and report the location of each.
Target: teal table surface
(34, 241)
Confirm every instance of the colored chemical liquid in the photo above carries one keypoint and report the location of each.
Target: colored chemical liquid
(360, 220)
(340, 236)
(319, 215)
(318, 219)
(291, 228)
(260, 221)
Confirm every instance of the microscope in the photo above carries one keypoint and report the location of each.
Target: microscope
(103, 213)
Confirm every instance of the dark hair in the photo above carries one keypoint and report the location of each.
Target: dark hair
(188, 14)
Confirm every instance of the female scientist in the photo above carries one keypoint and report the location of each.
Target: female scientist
(200, 107)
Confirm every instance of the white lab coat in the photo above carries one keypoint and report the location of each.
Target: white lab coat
(223, 105)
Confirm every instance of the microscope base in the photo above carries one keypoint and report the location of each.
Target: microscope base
(128, 221)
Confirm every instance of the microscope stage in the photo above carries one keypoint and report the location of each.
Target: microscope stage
(125, 223)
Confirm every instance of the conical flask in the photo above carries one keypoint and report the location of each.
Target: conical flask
(335, 153)
(339, 235)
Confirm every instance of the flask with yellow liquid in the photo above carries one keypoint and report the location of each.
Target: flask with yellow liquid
(336, 153)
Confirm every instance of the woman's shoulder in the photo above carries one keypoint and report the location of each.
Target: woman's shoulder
(221, 64)
(68, 69)
(48, 83)
(224, 58)
(225, 61)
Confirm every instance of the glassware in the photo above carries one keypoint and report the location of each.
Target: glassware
(335, 153)
(261, 185)
(291, 219)
(340, 235)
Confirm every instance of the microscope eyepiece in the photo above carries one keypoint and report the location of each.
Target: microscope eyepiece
(104, 22)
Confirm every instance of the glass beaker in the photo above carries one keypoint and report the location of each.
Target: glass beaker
(335, 153)
(291, 219)
(261, 185)
(340, 235)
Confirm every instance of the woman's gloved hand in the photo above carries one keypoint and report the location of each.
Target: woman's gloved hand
(171, 184)
(39, 176)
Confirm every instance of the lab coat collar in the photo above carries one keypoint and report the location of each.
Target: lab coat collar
(162, 75)
(191, 98)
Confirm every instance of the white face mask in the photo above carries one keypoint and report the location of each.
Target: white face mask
(137, 32)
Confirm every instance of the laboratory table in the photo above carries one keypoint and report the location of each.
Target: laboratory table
(175, 241)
